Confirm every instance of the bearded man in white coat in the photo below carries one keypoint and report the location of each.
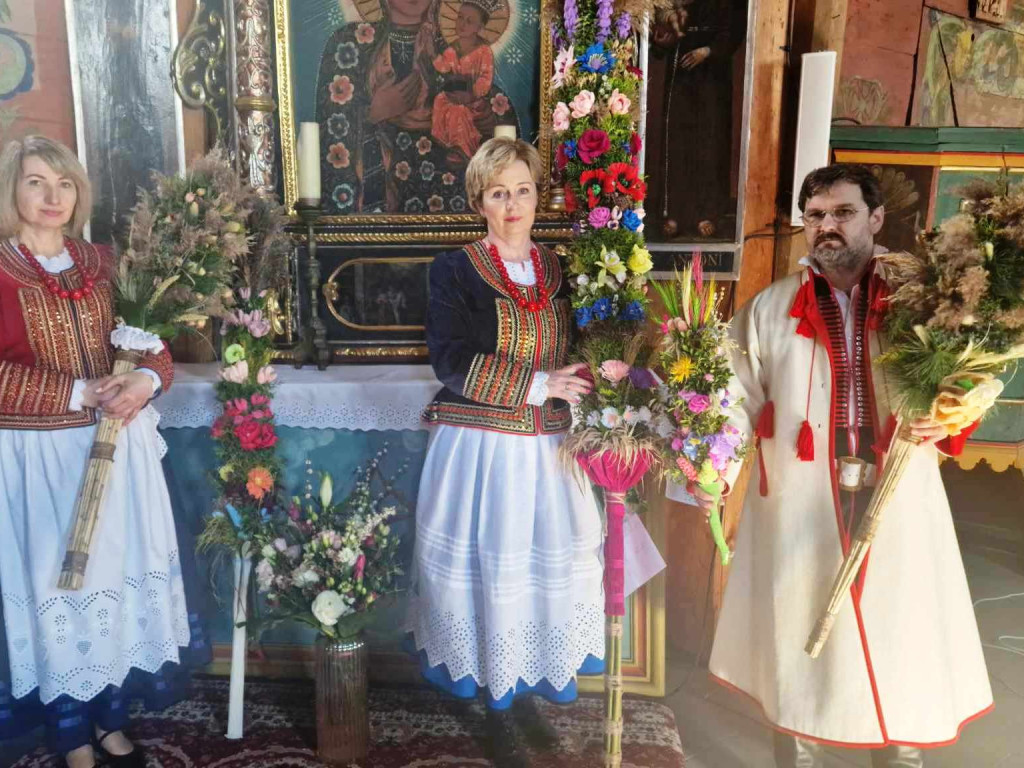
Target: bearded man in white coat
(903, 669)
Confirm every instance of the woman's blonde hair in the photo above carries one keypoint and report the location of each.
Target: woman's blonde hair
(62, 160)
(493, 157)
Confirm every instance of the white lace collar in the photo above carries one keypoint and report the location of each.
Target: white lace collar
(54, 264)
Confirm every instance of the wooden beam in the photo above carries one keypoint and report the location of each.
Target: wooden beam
(829, 25)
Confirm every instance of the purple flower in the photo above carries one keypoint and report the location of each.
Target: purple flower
(604, 19)
(599, 216)
(556, 36)
(699, 403)
(641, 378)
(623, 25)
(570, 18)
(677, 444)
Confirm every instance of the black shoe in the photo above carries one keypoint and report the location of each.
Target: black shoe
(134, 759)
(538, 729)
(505, 749)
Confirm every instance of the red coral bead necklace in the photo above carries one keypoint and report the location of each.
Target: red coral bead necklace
(51, 282)
(516, 291)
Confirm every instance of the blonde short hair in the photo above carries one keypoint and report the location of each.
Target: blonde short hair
(493, 157)
(62, 160)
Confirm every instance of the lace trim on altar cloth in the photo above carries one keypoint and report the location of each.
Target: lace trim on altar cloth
(322, 415)
(78, 643)
(530, 651)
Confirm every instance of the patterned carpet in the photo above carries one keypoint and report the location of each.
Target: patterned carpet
(411, 728)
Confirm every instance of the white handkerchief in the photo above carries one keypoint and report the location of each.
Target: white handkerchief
(643, 560)
(677, 492)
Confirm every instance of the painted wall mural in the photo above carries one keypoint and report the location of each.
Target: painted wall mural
(970, 74)
(35, 81)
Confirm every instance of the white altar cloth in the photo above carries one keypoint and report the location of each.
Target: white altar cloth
(364, 397)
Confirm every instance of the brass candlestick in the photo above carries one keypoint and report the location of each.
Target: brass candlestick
(315, 344)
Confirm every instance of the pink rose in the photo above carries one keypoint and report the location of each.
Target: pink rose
(592, 145)
(599, 217)
(582, 104)
(699, 403)
(614, 371)
(618, 103)
(560, 118)
(266, 374)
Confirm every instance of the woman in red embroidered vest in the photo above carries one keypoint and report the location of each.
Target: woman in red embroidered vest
(507, 575)
(71, 651)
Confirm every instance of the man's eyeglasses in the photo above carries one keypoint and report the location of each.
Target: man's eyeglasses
(815, 218)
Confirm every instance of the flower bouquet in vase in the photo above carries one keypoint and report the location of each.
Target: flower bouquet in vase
(183, 244)
(954, 321)
(694, 350)
(328, 563)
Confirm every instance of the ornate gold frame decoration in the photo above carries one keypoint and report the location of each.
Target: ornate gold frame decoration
(200, 71)
(547, 212)
(254, 67)
(330, 291)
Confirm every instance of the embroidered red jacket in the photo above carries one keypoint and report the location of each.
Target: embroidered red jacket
(46, 342)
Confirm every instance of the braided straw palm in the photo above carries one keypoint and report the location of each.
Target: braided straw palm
(94, 488)
(962, 400)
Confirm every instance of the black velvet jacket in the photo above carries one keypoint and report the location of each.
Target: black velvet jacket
(485, 349)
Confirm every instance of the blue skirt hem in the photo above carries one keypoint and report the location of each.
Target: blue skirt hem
(467, 688)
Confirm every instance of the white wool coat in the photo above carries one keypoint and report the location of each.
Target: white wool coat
(904, 662)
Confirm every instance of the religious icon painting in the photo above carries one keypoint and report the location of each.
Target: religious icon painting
(404, 92)
(695, 132)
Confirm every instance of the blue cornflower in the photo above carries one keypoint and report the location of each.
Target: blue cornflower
(596, 59)
(583, 317)
(631, 221)
(569, 148)
(602, 308)
(634, 311)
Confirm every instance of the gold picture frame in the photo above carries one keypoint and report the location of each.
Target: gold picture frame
(407, 227)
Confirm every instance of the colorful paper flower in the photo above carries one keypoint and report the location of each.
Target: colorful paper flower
(259, 482)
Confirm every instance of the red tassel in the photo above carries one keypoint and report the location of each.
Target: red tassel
(805, 329)
(766, 421)
(805, 442)
(763, 485)
(765, 430)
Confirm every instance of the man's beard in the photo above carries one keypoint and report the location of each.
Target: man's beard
(842, 259)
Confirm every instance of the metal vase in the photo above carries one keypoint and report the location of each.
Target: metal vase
(342, 708)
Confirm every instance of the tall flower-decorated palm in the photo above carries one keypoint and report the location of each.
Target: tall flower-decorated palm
(244, 435)
(596, 94)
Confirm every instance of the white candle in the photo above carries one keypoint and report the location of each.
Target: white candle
(309, 161)
(504, 132)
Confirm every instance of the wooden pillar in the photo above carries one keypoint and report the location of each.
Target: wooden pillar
(691, 557)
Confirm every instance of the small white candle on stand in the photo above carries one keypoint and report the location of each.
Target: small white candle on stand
(505, 132)
(309, 162)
